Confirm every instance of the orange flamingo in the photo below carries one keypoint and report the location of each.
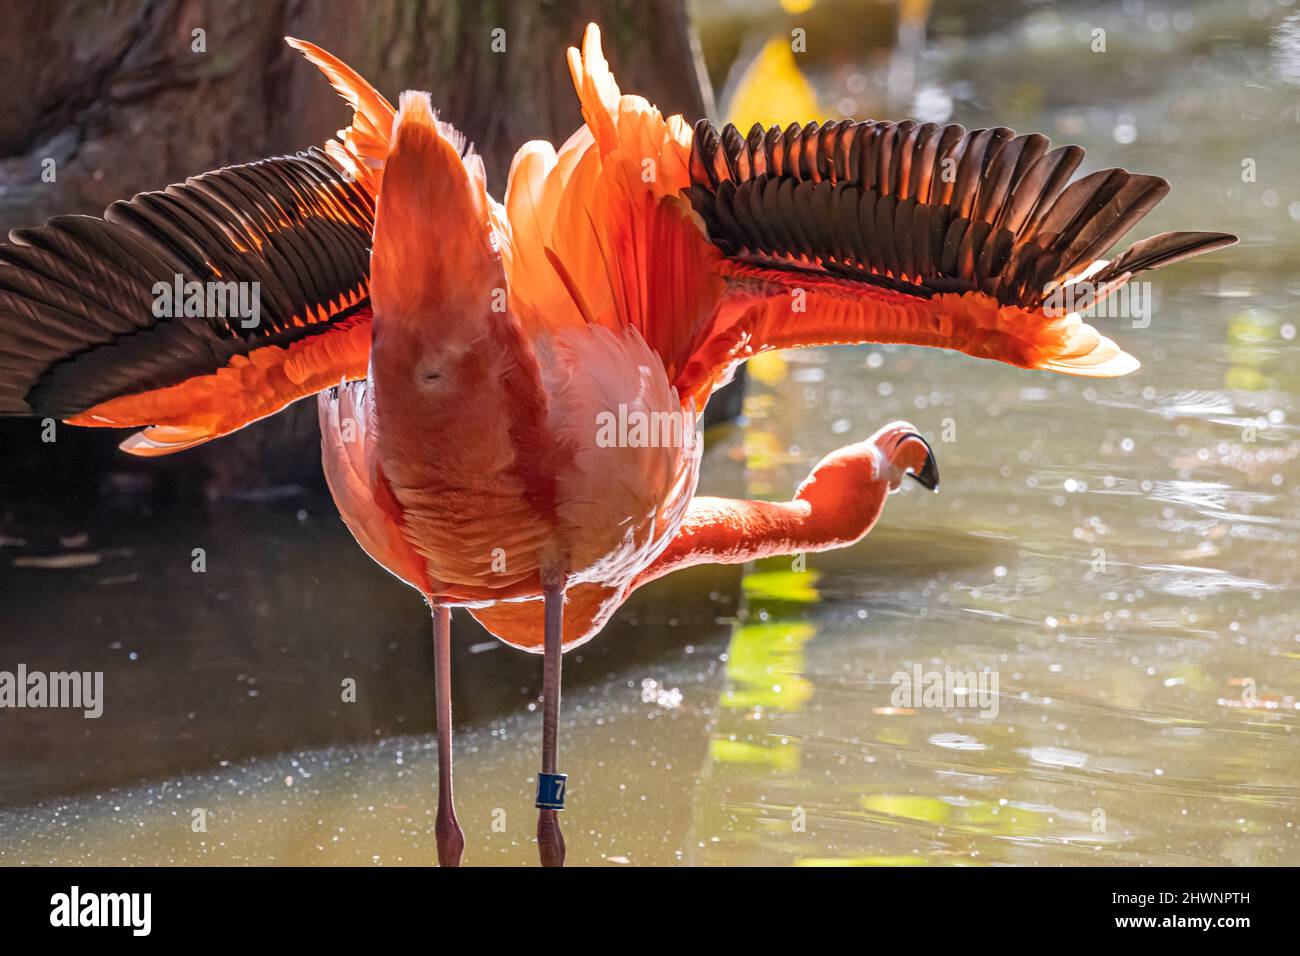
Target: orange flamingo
(469, 355)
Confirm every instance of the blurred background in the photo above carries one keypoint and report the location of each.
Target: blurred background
(1122, 552)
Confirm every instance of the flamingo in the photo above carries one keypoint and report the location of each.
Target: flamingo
(467, 354)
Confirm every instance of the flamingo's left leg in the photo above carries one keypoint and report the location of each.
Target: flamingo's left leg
(450, 837)
(550, 784)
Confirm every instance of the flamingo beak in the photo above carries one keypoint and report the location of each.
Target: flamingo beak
(928, 476)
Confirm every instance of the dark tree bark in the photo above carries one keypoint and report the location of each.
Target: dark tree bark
(116, 95)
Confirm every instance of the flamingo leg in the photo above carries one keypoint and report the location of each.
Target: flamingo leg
(451, 839)
(550, 784)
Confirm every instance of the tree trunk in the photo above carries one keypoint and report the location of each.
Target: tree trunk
(119, 97)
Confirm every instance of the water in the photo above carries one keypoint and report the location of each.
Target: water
(1118, 552)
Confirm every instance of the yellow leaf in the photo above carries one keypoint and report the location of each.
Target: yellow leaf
(773, 89)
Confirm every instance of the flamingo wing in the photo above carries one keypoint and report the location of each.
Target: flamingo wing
(918, 234)
(841, 233)
(99, 325)
(127, 320)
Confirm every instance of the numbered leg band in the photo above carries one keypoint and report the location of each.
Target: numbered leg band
(550, 790)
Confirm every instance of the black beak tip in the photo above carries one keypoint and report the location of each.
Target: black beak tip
(928, 477)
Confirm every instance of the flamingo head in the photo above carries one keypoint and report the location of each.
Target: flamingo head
(902, 452)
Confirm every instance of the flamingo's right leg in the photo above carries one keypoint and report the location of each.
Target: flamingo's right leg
(451, 839)
(550, 784)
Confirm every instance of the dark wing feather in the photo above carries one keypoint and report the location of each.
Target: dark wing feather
(924, 209)
(77, 325)
(1161, 250)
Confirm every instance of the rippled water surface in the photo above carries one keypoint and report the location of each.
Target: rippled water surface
(1120, 553)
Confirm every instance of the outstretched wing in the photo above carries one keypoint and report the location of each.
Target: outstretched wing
(205, 306)
(92, 329)
(918, 234)
(817, 235)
